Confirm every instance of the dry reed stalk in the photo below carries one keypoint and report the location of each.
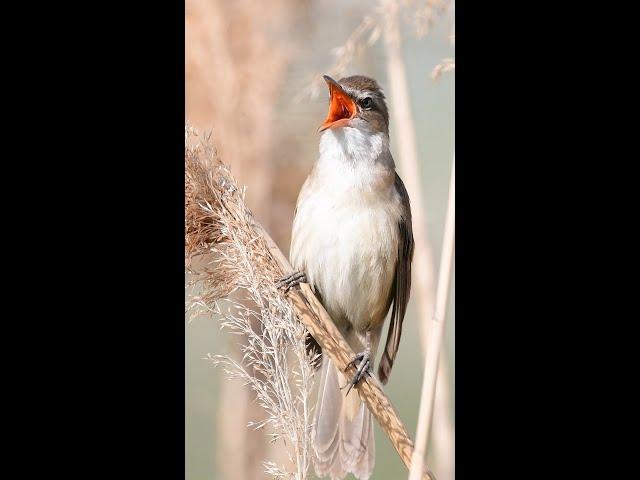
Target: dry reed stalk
(443, 455)
(435, 336)
(218, 221)
(423, 257)
(311, 312)
(408, 157)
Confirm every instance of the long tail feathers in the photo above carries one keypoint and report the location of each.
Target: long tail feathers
(343, 432)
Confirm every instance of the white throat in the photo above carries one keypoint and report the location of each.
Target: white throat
(352, 145)
(352, 158)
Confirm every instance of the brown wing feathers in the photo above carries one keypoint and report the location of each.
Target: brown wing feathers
(401, 286)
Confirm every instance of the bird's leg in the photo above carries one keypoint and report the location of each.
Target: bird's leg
(362, 362)
(289, 281)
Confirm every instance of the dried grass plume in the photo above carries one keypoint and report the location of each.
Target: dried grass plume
(233, 279)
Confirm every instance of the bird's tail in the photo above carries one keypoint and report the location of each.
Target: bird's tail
(343, 432)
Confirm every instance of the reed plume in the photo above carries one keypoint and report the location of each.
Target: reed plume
(234, 280)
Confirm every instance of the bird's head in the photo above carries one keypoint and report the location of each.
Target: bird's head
(356, 102)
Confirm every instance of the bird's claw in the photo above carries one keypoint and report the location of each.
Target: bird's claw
(289, 281)
(362, 362)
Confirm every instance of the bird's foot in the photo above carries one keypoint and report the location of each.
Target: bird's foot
(289, 281)
(362, 362)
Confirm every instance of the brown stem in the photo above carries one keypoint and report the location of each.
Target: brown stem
(311, 312)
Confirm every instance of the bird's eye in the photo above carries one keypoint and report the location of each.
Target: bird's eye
(367, 103)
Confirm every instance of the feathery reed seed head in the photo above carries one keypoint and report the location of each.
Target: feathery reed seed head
(234, 276)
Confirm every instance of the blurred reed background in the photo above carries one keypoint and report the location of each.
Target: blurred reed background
(251, 69)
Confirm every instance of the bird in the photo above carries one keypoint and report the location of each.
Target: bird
(352, 242)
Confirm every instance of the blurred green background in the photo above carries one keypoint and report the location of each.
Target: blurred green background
(281, 156)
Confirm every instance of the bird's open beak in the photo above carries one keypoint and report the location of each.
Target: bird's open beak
(341, 107)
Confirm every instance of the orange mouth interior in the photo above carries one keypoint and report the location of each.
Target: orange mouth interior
(341, 108)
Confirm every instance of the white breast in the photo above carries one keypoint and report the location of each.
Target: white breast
(345, 233)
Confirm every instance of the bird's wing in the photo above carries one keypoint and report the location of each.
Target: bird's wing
(401, 285)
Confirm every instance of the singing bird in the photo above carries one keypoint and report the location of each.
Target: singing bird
(352, 242)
